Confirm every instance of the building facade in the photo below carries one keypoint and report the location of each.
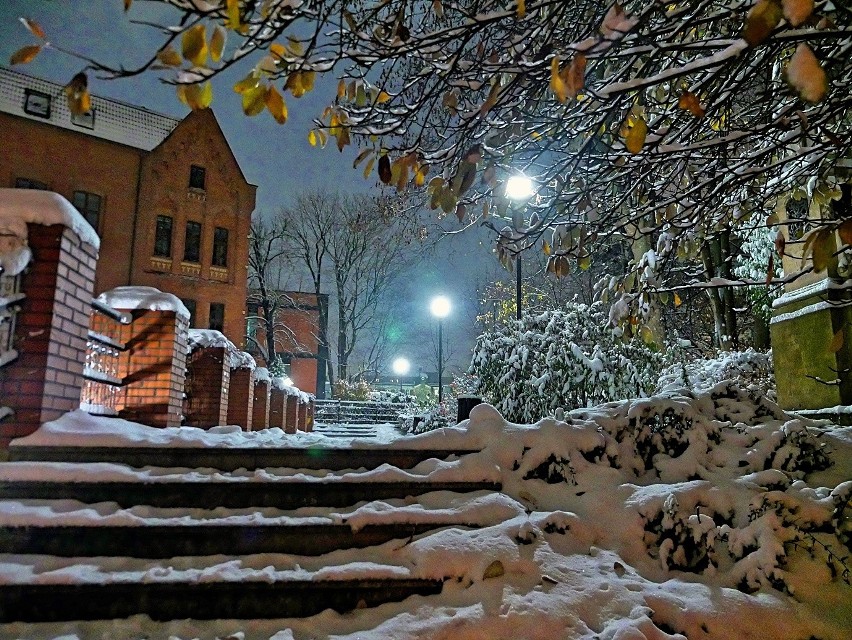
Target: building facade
(166, 196)
(296, 327)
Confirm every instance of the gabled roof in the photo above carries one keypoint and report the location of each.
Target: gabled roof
(113, 120)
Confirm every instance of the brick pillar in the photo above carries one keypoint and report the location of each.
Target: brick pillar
(208, 375)
(260, 407)
(292, 422)
(241, 398)
(303, 416)
(309, 418)
(155, 368)
(277, 414)
(51, 331)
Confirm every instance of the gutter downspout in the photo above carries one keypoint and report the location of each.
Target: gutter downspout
(135, 220)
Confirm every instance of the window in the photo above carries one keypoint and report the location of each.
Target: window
(36, 103)
(197, 177)
(217, 315)
(26, 183)
(89, 204)
(192, 244)
(85, 120)
(220, 247)
(163, 237)
(189, 303)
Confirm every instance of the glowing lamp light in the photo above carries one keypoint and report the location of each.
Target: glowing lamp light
(519, 187)
(401, 366)
(440, 306)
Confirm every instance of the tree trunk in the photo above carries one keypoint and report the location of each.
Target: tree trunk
(639, 246)
(715, 300)
(727, 293)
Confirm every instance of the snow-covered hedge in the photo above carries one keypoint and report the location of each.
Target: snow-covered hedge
(750, 369)
(561, 359)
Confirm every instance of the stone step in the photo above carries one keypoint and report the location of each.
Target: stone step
(168, 541)
(233, 494)
(230, 459)
(201, 601)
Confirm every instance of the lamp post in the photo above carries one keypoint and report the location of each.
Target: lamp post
(520, 189)
(440, 308)
(400, 367)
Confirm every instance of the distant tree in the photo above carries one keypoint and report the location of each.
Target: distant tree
(352, 246)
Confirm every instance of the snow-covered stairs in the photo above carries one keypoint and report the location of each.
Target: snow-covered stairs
(103, 533)
(346, 430)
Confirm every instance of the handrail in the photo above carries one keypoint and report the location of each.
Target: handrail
(105, 309)
(106, 340)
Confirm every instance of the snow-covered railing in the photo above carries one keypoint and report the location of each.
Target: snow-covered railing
(102, 378)
(10, 295)
(358, 412)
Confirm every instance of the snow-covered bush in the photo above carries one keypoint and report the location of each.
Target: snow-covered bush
(561, 359)
(346, 390)
(391, 396)
(750, 369)
(435, 418)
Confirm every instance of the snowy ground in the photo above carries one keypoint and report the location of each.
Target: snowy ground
(698, 516)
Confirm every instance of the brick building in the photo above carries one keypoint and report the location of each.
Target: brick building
(296, 335)
(166, 196)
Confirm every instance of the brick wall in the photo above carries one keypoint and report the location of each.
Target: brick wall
(260, 410)
(241, 398)
(306, 416)
(277, 411)
(208, 375)
(155, 367)
(50, 336)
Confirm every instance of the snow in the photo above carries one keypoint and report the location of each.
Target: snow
(210, 338)
(676, 516)
(285, 385)
(19, 207)
(261, 374)
(131, 298)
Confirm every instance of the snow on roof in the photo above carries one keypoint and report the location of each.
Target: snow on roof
(19, 207)
(112, 120)
(261, 374)
(125, 298)
(206, 338)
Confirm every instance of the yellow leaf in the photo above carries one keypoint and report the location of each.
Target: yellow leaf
(25, 54)
(689, 102)
(677, 301)
(254, 100)
(761, 20)
(278, 50)
(323, 138)
(557, 84)
(276, 105)
(233, 9)
(823, 251)
(77, 92)
(194, 45)
(369, 168)
(169, 57)
(845, 232)
(797, 11)
(546, 249)
(836, 341)
(361, 156)
(634, 136)
(574, 75)
(247, 84)
(806, 75)
(295, 46)
(341, 89)
(217, 42)
(312, 138)
(383, 97)
(296, 85)
(34, 28)
(522, 8)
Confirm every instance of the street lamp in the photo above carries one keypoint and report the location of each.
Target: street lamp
(520, 189)
(440, 308)
(400, 367)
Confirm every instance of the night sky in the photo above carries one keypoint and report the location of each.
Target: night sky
(277, 158)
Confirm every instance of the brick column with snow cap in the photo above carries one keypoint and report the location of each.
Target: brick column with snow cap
(46, 243)
(208, 378)
(241, 390)
(260, 411)
(154, 371)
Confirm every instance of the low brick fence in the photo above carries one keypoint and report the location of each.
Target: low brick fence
(129, 353)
